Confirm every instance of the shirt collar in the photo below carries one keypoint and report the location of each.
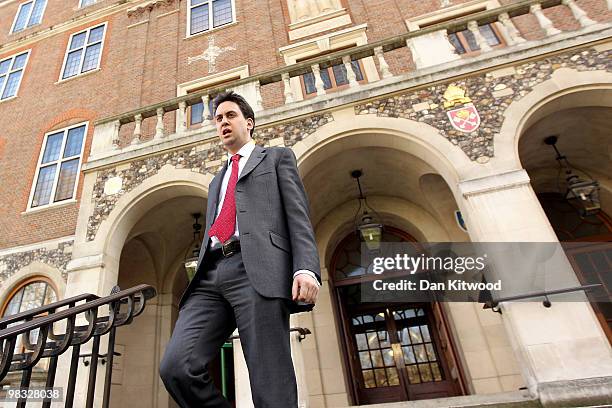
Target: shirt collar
(245, 151)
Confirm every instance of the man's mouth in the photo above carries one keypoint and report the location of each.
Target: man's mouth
(226, 131)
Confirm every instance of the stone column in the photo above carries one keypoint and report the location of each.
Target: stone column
(137, 129)
(509, 31)
(350, 74)
(415, 54)
(316, 70)
(159, 127)
(480, 40)
(287, 91)
(563, 351)
(579, 14)
(182, 117)
(88, 274)
(545, 23)
(385, 72)
(241, 373)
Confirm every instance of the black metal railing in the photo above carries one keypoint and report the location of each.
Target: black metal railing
(123, 307)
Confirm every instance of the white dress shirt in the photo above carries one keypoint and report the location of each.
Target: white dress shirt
(244, 152)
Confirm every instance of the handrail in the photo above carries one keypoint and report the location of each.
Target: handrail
(51, 345)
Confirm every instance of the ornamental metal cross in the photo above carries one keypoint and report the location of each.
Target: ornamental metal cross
(210, 54)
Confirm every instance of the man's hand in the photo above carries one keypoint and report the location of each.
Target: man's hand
(305, 288)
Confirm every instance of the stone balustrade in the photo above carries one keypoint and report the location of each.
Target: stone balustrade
(107, 131)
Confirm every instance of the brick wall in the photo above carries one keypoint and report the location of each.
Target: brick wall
(144, 59)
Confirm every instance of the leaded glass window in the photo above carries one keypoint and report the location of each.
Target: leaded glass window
(59, 165)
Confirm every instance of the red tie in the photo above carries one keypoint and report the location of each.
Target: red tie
(225, 224)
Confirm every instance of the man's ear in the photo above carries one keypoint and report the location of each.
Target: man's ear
(250, 123)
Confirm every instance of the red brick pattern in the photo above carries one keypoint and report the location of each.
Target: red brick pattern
(144, 59)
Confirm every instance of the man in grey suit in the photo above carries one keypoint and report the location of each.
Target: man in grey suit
(258, 264)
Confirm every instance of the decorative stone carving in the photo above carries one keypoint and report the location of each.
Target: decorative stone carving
(57, 257)
(491, 95)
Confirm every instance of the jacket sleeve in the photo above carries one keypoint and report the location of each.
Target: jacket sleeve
(301, 235)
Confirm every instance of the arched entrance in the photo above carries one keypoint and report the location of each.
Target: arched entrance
(394, 352)
(582, 132)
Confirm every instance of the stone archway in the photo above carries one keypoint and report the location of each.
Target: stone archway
(383, 147)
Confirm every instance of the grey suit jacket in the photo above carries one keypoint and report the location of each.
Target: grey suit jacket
(276, 235)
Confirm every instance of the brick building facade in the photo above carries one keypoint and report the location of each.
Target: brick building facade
(116, 95)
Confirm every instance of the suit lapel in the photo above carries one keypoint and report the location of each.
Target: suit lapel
(215, 190)
(256, 157)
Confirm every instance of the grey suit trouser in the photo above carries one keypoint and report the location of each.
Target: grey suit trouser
(222, 300)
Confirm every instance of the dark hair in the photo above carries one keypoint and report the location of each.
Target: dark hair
(231, 96)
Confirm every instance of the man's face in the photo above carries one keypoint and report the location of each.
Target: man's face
(232, 127)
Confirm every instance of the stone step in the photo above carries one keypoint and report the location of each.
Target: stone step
(514, 399)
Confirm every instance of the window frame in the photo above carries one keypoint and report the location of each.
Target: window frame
(59, 161)
(42, 14)
(332, 77)
(25, 65)
(465, 44)
(99, 65)
(22, 284)
(210, 17)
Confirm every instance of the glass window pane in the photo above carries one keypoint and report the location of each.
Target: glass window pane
(392, 376)
(377, 358)
(19, 61)
(44, 185)
(420, 353)
(340, 74)
(415, 334)
(425, 371)
(425, 332)
(4, 66)
(431, 354)
(454, 40)
(36, 16)
(408, 355)
(435, 369)
(96, 35)
(222, 12)
(67, 179)
(368, 379)
(72, 63)
(381, 378)
(388, 357)
(357, 70)
(2, 79)
(14, 304)
(91, 57)
(78, 40)
(87, 2)
(197, 111)
(33, 296)
(383, 338)
(362, 343)
(198, 2)
(50, 296)
(309, 83)
(199, 19)
(326, 79)
(413, 374)
(489, 35)
(74, 141)
(52, 149)
(11, 85)
(22, 17)
(373, 340)
(364, 359)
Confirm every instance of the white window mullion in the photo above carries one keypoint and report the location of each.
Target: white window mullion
(80, 156)
(58, 167)
(210, 15)
(83, 53)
